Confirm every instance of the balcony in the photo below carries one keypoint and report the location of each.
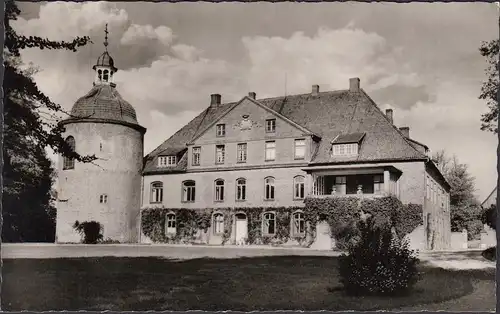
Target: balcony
(359, 183)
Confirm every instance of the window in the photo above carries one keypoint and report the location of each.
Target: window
(367, 182)
(221, 130)
(269, 224)
(219, 190)
(220, 154)
(156, 192)
(170, 224)
(99, 75)
(103, 198)
(298, 187)
(378, 183)
(188, 191)
(242, 152)
(428, 191)
(345, 149)
(105, 77)
(196, 156)
(271, 125)
(241, 189)
(299, 224)
(218, 223)
(269, 188)
(300, 149)
(167, 161)
(68, 162)
(270, 150)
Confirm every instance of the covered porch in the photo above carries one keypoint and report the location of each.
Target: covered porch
(357, 181)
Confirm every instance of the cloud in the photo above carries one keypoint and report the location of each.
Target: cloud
(401, 96)
(328, 58)
(135, 33)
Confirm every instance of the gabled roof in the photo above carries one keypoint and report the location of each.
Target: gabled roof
(491, 199)
(234, 105)
(348, 138)
(328, 115)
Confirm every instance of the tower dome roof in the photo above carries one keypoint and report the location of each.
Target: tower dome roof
(104, 102)
(105, 60)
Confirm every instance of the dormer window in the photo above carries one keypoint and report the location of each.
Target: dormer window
(167, 161)
(221, 130)
(347, 145)
(345, 149)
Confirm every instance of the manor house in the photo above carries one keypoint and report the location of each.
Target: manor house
(255, 152)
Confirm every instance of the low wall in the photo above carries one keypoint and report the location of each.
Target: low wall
(459, 240)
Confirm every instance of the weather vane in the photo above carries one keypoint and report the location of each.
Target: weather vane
(106, 37)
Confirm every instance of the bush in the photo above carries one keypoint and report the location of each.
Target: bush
(90, 230)
(378, 264)
(489, 216)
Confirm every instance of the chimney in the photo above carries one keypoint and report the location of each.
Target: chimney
(315, 90)
(354, 84)
(388, 114)
(215, 99)
(405, 130)
(252, 95)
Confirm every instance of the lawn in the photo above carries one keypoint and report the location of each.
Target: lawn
(250, 283)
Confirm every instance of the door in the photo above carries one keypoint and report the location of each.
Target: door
(241, 228)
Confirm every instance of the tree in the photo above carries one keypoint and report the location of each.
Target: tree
(458, 176)
(465, 210)
(30, 126)
(489, 216)
(489, 90)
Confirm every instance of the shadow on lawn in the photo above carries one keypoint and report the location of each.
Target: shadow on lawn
(244, 284)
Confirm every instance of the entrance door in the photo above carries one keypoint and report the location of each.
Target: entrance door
(241, 228)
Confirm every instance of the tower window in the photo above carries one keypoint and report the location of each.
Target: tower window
(68, 162)
(103, 199)
(105, 77)
(99, 74)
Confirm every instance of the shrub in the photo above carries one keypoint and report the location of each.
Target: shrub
(379, 263)
(489, 216)
(91, 231)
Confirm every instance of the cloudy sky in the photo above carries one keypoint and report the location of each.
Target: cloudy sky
(421, 59)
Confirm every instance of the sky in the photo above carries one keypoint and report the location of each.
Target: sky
(420, 59)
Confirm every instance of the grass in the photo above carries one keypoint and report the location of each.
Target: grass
(256, 283)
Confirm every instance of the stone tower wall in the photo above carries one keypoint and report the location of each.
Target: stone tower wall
(116, 173)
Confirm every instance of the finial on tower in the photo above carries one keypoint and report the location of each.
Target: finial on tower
(106, 37)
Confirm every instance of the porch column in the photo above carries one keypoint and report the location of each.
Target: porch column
(387, 182)
(310, 184)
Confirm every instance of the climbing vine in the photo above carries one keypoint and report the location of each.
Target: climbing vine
(341, 213)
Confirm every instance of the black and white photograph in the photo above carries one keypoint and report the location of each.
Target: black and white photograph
(250, 156)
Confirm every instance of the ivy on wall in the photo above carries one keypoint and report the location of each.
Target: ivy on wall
(341, 213)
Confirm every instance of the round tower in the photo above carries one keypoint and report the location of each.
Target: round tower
(107, 190)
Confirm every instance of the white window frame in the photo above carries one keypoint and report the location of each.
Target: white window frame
(268, 219)
(297, 218)
(378, 183)
(299, 187)
(269, 189)
(167, 161)
(189, 191)
(348, 149)
(220, 154)
(241, 189)
(196, 156)
(299, 150)
(241, 151)
(219, 190)
(270, 125)
(220, 130)
(170, 224)
(156, 196)
(270, 150)
(218, 223)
